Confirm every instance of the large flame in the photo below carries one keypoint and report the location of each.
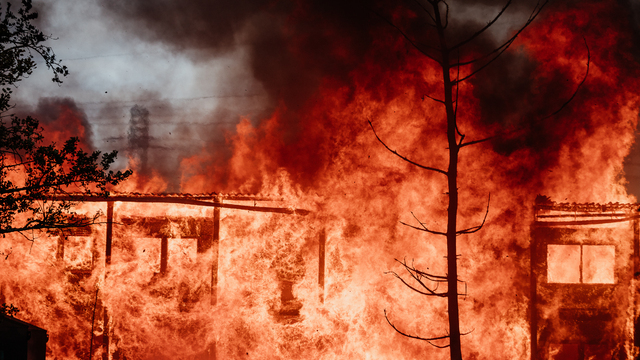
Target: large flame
(268, 302)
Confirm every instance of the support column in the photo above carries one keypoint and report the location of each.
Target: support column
(164, 254)
(62, 237)
(636, 278)
(533, 303)
(321, 253)
(107, 253)
(215, 245)
(107, 262)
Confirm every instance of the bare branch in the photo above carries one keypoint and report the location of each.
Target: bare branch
(32, 239)
(417, 337)
(474, 229)
(422, 273)
(404, 158)
(428, 293)
(461, 137)
(503, 47)
(43, 225)
(446, 15)
(573, 95)
(498, 51)
(438, 346)
(434, 99)
(419, 280)
(455, 111)
(418, 275)
(413, 43)
(479, 32)
(579, 85)
(431, 277)
(427, 11)
(423, 229)
(459, 134)
(468, 332)
(477, 141)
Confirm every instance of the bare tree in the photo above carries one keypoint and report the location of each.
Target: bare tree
(456, 67)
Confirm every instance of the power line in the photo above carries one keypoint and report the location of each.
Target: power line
(129, 103)
(222, 96)
(112, 55)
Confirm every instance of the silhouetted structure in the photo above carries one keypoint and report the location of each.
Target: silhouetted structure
(20, 340)
(138, 136)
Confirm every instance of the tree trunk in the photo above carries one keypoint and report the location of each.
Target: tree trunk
(452, 210)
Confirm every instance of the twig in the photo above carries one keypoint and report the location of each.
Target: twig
(404, 158)
(474, 229)
(579, 85)
(413, 43)
(502, 48)
(424, 227)
(429, 340)
(434, 99)
(469, 39)
(417, 275)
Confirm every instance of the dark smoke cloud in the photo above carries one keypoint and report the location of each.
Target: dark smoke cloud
(61, 119)
(518, 92)
(295, 47)
(292, 45)
(632, 162)
(292, 48)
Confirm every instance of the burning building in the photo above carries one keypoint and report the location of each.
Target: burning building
(163, 267)
(173, 270)
(584, 266)
(171, 251)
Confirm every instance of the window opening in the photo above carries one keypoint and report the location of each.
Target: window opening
(575, 264)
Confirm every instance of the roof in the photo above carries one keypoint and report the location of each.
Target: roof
(209, 200)
(19, 322)
(201, 196)
(549, 213)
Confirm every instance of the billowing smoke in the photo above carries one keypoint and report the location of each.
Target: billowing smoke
(61, 119)
(297, 49)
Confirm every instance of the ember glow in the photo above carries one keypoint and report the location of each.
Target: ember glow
(310, 281)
